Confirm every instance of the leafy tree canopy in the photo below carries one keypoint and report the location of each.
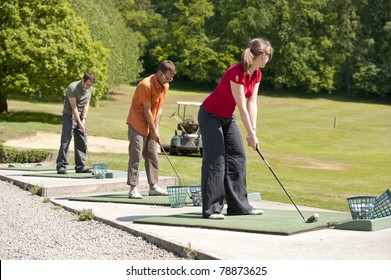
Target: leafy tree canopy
(44, 47)
(320, 46)
(108, 26)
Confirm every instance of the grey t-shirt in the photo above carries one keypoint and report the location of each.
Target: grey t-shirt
(75, 90)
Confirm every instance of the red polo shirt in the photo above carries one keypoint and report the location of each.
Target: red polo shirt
(221, 101)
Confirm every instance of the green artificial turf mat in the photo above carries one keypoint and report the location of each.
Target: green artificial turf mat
(70, 175)
(366, 225)
(280, 222)
(123, 198)
(29, 167)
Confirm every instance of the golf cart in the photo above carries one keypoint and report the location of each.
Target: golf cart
(189, 140)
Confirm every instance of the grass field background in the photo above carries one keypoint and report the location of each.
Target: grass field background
(322, 150)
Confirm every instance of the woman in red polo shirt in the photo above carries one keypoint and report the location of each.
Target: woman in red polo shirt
(224, 158)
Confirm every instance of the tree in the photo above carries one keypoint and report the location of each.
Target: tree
(320, 46)
(108, 26)
(43, 47)
(347, 45)
(371, 74)
(175, 31)
(150, 27)
(299, 34)
(234, 24)
(189, 46)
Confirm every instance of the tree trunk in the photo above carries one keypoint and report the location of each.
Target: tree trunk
(348, 82)
(3, 103)
(348, 77)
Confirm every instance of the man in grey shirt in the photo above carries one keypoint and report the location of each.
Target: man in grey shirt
(74, 115)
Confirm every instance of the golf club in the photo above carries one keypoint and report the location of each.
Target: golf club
(161, 147)
(314, 217)
(85, 142)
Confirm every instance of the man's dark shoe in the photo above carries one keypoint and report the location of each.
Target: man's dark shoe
(61, 170)
(84, 170)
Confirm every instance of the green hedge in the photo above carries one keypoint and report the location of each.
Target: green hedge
(13, 155)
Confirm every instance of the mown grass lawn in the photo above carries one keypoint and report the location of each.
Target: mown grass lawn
(322, 150)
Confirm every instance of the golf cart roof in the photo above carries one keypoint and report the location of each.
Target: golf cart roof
(189, 103)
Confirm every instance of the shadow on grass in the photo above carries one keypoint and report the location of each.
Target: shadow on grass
(29, 116)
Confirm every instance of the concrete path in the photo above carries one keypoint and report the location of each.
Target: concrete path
(325, 244)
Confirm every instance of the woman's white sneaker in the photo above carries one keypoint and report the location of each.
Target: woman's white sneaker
(256, 212)
(216, 216)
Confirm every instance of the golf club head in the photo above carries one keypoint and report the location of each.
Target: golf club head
(314, 218)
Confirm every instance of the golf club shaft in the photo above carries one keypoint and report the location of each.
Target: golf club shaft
(170, 163)
(85, 143)
(265, 161)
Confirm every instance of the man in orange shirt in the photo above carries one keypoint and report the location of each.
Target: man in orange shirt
(143, 127)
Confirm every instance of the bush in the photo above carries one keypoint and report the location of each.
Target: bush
(86, 215)
(36, 190)
(13, 155)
